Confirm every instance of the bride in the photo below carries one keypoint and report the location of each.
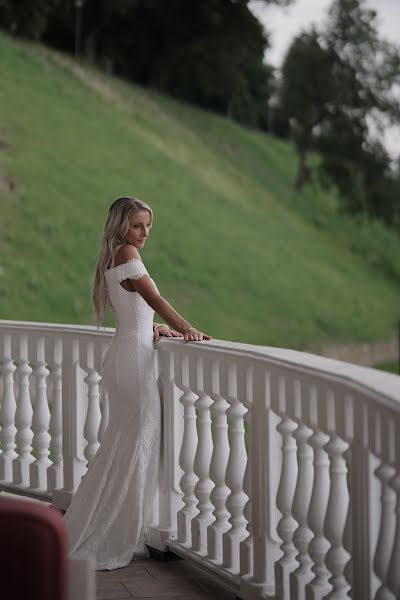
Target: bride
(109, 513)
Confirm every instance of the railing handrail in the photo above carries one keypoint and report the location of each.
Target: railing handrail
(380, 385)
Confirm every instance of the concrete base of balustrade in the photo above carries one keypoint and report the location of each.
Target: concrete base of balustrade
(61, 499)
(162, 555)
(25, 491)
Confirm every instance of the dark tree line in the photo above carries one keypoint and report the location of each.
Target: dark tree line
(209, 52)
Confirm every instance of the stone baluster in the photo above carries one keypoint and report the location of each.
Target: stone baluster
(393, 576)
(93, 416)
(55, 471)
(233, 384)
(219, 460)
(201, 465)
(260, 551)
(23, 417)
(301, 503)
(386, 530)
(187, 453)
(7, 413)
(247, 545)
(319, 586)
(72, 418)
(284, 501)
(335, 520)
(356, 535)
(40, 420)
(170, 494)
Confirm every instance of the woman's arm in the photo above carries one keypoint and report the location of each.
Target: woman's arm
(146, 288)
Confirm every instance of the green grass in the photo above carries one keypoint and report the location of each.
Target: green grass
(233, 247)
(391, 367)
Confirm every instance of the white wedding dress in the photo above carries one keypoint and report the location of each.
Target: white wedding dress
(110, 510)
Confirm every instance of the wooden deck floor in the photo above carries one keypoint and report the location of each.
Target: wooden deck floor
(150, 578)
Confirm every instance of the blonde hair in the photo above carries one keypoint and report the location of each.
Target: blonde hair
(115, 231)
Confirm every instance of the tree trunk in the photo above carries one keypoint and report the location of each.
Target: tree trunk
(303, 173)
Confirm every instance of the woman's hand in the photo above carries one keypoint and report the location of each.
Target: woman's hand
(194, 335)
(165, 331)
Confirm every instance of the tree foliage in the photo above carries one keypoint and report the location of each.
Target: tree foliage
(335, 84)
(209, 52)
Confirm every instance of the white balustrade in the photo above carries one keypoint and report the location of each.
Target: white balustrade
(7, 413)
(301, 502)
(271, 458)
(247, 545)
(40, 420)
(201, 465)
(393, 576)
(219, 461)
(55, 470)
(318, 586)
(93, 415)
(187, 453)
(386, 531)
(287, 525)
(23, 417)
(233, 387)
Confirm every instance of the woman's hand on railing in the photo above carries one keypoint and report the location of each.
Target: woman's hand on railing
(164, 330)
(194, 335)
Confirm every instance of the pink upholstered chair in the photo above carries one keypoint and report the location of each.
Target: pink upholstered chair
(33, 551)
(34, 559)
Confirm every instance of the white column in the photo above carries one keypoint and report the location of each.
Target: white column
(55, 471)
(201, 465)
(386, 530)
(40, 421)
(74, 466)
(23, 418)
(393, 576)
(170, 494)
(335, 520)
(284, 501)
(319, 545)
(301, 502)
(187, 453)
(93, 416)
(246, 549)
(7, 413)
(234, 377)
(219, 460)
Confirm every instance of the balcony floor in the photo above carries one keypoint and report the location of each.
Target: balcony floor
(150, 578)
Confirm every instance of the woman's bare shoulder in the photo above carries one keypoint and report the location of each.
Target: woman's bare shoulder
(125, 253)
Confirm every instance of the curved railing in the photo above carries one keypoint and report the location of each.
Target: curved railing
(280, 469)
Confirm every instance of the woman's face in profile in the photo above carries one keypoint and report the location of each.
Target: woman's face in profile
(139, 227)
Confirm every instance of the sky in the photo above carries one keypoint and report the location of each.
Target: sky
(284, 23)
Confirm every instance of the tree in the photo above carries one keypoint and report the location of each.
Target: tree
(209, 52)
(334, 85)
(306, 93)
(26, 18)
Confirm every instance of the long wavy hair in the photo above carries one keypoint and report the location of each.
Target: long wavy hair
(115, 231)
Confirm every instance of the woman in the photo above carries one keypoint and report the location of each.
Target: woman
(109, 512)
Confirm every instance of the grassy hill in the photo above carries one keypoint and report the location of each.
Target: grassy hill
(233, 247)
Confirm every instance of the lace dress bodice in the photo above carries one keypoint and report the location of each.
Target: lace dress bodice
(133, 315)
